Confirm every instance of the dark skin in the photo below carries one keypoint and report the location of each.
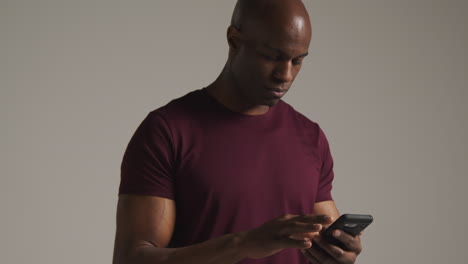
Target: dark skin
(264, 53)
(268, 40)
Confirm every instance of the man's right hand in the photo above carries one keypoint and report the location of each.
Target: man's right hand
(282, 232)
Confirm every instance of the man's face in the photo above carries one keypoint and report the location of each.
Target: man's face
(269, 60)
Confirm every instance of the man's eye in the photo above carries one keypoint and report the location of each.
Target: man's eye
(297, 62)
(271, 57)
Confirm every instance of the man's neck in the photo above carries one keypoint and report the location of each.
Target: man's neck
(224, 91)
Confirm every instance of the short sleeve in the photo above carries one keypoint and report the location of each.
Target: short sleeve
(148, 163)
(326, 170)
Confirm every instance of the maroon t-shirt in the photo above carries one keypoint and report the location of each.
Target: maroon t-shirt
(227, 171)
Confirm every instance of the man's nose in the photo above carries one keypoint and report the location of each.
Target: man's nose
(284, 71)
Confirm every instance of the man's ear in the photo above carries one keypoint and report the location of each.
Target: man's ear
(233, 38)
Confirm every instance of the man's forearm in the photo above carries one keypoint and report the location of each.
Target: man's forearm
(226, 249)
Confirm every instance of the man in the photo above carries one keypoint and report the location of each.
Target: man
(231, 173)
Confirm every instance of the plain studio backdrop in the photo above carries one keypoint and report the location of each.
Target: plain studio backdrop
(386, 80)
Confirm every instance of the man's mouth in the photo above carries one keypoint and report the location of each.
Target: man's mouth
(276, 92)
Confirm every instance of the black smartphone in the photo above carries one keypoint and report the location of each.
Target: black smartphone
(352, 224)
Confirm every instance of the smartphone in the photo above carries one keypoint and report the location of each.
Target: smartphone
(352, 224)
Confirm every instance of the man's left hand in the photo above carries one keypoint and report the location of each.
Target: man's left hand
(331, 254)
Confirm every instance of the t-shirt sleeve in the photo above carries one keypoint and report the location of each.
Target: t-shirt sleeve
(326, 170)
(148, 163)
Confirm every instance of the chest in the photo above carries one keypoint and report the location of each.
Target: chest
(256, 168)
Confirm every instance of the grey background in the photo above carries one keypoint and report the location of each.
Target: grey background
(387, 81)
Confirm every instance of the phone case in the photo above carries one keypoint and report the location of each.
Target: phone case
(352, 224)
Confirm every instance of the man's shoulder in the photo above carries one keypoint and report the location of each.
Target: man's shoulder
(181, 106)
(297, 116)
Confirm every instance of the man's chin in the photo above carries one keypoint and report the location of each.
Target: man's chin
(271, 102)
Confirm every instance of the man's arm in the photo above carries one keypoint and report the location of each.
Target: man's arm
(144, 229)
(145, 225)
(327, 208)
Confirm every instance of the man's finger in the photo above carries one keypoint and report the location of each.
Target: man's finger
(311, 258)
(312, 218)
(332, 250)
(293, 243)
(351, 243)
(299, 227)
(309, 235)
(318, 254)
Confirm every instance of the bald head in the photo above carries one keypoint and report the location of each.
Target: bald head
(290, 14)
